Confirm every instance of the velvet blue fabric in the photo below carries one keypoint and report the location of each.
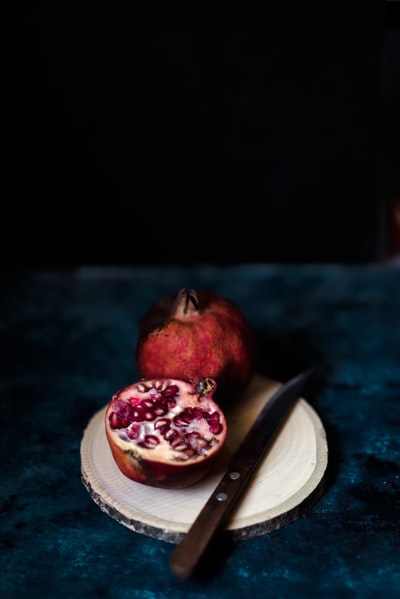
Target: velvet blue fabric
(68, 342)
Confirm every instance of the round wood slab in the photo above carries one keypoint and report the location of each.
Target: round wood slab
(287, 483)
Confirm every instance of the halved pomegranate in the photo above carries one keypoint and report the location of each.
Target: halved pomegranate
(165, 432)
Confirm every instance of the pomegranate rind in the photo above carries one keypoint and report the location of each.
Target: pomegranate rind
(214, 339)
(174, 449)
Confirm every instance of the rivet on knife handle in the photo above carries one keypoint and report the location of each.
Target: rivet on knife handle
(218, 507)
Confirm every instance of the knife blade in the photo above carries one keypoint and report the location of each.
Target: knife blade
(217, 509)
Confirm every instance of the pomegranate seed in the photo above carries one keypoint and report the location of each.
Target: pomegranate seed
(193, 435)
(137, 414)
(213, 418)
(160, 408)
(202, 443)
(133, 431)
(181, 420)
(215, 428)
(149, 442)
(178, 443)
(197, 443)
(162, 425)
(171, 434)
(171, 392)
(181, 447)
(115, 420)
(122, 415)
(199, 414)
(134, 401)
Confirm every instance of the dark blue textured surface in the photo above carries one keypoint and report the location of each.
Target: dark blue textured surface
(67, 343)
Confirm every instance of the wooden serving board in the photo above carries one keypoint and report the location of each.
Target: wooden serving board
(288, 482)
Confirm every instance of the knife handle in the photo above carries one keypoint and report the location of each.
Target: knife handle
(215, 512)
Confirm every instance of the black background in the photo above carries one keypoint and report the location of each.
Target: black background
(194, 132)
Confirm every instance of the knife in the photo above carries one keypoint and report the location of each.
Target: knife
(218, 507)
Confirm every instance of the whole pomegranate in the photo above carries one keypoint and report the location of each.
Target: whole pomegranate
(165, 432)
(197, 334)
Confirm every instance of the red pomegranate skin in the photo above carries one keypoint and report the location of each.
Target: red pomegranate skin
(165, 433)
(197, 334)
